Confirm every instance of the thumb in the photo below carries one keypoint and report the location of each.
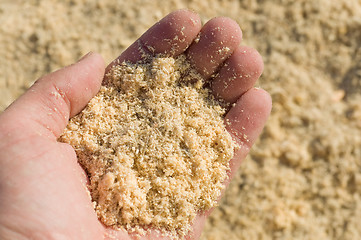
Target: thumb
(46, 106)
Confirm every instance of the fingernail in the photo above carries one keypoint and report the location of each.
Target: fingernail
(85, 56)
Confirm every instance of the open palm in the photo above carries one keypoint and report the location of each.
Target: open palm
(43, 191)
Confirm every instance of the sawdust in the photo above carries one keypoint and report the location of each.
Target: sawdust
(154, 145)
(302, 179)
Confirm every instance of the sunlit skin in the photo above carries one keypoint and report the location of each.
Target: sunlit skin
(43, 191)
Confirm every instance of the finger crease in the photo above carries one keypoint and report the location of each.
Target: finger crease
(146, 51)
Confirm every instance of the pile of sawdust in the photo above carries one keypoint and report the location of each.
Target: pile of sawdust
(302, 179)
(154, 145)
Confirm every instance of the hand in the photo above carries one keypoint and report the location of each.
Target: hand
(42, 187)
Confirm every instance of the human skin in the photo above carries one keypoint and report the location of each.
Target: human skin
(43, 191)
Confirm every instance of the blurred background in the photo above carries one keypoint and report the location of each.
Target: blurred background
(302, 180)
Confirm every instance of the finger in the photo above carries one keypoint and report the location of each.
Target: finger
(49, 103)
(197, 227)
(245, 122)
(170, 36)
(238, 74)
(217, 40)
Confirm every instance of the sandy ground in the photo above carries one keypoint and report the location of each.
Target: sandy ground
(303, 177)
